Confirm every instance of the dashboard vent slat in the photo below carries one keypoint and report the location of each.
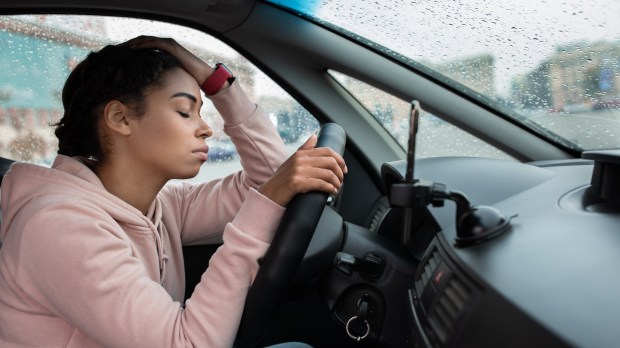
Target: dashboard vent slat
(428, 268)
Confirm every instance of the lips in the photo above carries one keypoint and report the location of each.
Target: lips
(202, 152)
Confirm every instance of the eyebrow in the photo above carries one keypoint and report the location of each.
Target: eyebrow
(186, 95)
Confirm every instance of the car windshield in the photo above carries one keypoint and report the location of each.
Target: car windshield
(553, 66)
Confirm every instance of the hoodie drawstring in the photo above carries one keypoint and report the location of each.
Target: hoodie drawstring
(161, 253)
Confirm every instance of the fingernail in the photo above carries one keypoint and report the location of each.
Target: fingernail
(346, 170)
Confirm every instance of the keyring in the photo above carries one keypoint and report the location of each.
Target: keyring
(357, 338)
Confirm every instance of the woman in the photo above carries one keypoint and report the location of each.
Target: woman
(91, 250)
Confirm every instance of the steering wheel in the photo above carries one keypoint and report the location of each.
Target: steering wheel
(286, 252)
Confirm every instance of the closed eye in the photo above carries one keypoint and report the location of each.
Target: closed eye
(183, 114)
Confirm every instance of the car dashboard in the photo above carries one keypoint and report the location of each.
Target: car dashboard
(549, 280)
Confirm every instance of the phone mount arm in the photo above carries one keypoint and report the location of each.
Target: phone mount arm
(474, 224)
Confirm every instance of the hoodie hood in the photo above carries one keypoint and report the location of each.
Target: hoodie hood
(68, 176)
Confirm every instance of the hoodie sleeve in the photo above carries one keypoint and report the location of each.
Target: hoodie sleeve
(84, 270)
(203, 210)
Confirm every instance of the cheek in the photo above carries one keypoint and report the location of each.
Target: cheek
(164, 136)
(147, 135)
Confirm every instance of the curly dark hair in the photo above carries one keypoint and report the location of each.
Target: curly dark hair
(116, 72)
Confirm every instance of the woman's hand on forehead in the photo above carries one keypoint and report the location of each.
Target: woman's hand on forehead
(195, 66)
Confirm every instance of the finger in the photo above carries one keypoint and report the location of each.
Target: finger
(164, 44)
(305, 159)
(329, 164)
(328, 175)
(310, 143)
(327, 152)
(315, 184)
(139, 41)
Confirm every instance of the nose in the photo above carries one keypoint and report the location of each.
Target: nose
(204, 131)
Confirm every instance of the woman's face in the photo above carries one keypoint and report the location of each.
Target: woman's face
(169, 140)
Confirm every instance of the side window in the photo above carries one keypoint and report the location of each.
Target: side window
(435, 137)
(37, 53)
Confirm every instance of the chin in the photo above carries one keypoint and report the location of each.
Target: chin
(186, 174)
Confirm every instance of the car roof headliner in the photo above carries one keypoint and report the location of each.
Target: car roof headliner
(212, 15)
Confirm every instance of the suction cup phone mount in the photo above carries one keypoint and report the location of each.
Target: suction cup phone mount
(474, 224)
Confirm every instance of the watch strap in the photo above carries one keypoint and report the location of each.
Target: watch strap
(214, 82)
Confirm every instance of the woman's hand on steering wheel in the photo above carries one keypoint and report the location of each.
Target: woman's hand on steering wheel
(308, 169)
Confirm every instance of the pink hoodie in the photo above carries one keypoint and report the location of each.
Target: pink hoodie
(79, 267)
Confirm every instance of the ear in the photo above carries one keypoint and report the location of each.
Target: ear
(116, 117)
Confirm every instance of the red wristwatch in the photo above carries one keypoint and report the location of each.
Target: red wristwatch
(214, 82)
